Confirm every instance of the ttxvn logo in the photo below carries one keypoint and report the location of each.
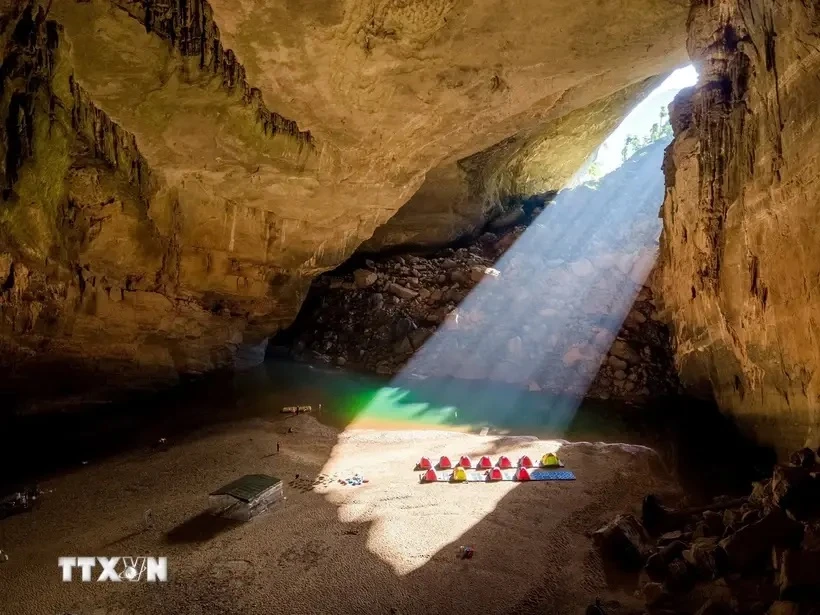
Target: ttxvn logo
(151, 569)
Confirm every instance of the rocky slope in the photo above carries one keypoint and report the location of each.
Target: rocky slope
(755, 554)
(175, 174)
(507, 307)
(740, 260)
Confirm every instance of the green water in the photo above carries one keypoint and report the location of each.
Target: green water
(444, 403)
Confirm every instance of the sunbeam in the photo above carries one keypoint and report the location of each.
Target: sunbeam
(552, 306)
(532, 333)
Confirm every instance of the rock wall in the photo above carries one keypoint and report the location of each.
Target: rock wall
(740, 256)
(175, 174)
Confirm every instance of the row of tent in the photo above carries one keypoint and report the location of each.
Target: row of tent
(459, 475)
(547, 461)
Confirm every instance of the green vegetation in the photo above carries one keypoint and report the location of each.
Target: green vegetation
(661, 129)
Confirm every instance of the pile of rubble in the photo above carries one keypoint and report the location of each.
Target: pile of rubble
(554, 314)
(753, 555)
(562, 304)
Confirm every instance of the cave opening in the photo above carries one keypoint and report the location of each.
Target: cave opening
(470, 195)
(543, 321)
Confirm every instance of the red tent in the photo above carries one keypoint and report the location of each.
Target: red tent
(525, 462)
(522, 474)
(465, 462)
(495, 474)
(424, 464)
(444, 463)
(429, 476)
(484, 463)
(504, 462)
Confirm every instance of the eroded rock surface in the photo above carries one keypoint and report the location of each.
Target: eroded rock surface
(176, 174)
(740, 256)
(457, 200)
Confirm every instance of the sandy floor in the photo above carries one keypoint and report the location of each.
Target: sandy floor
(388, 546)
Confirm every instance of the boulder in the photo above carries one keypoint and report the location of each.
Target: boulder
(707, 558)
(400, 291)
(751, 545)
(796, 489)
(364, 278)
(624, 351)
(657, 566)
(680, 577)
(624, 541)
(459, 277)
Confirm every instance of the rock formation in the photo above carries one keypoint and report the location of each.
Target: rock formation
(175, 174)
(458, 199)
(755, 554)
(572, 321)
(740, 257)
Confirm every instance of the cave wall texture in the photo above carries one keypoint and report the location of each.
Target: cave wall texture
(175, 174)
(458, 199)
(740, 256)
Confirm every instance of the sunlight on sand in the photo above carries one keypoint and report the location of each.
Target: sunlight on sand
(410, 522)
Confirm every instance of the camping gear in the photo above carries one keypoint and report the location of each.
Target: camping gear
(466, 552)
(430, 476)
(546, 470)
(539, 474)
(354, 481)
(246, 497)
(459, 475)
(535, 474)
(550, 460)
(462, 475)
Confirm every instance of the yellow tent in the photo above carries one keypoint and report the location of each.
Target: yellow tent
(550, 460)
(459, 475)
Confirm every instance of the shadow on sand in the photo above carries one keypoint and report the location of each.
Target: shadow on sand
(192, 412)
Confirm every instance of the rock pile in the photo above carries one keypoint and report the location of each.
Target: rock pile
(376, 316)
(758, 554)
(560, 303)
(526, 328)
